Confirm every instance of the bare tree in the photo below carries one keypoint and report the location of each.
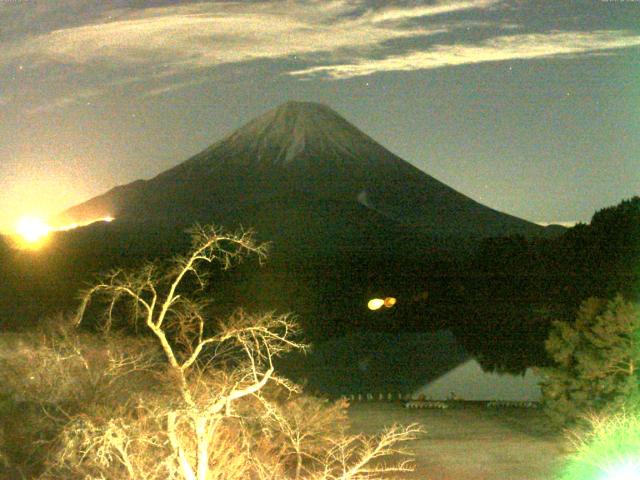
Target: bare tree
(51, 374)
(218, 413)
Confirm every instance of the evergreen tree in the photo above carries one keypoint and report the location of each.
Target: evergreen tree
(596, 359)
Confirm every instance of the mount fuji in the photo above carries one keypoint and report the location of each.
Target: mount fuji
(302, 173)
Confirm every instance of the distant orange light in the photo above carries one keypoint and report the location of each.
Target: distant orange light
(31, 232)
(378, 303)
(71, 226)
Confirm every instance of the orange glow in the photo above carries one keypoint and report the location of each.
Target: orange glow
(31, 232)
(378, 303)
(71, 226)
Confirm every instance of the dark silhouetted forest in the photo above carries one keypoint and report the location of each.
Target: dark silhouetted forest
(497, 295)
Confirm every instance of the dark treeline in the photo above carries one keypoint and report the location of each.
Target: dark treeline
(498, 295)
(522, 285)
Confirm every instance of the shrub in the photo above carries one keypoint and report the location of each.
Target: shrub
(608, 450)
(596, 361)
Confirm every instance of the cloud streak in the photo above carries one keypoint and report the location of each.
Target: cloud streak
(508, 47)
(84, 95)
(212, 34)
(171, 47)
(398, 14)
(166, 44)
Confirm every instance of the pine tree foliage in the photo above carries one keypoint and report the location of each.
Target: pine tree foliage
(596, 360)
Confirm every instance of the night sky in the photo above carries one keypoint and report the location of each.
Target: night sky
(530, 107)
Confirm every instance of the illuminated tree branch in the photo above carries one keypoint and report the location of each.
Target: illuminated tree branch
(213, 410)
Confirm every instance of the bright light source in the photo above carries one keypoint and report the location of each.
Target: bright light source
(32, 230)
(72, 226)
(389, 302)
(625, 471)
(378, 303)
(375, 303)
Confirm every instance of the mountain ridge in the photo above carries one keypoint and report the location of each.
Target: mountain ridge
(300, 148)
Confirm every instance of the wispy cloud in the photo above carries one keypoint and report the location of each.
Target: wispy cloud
(173, 87)
(502, 48)
(78, 96)
(211, 34)
(395, 14)
(165, 44)
(64, 101)
(172, 47)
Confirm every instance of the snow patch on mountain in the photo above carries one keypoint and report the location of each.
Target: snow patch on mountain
(363, 199)
(303, 129)
(295, 148)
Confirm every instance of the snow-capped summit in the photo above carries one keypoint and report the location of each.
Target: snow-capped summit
(295, 132)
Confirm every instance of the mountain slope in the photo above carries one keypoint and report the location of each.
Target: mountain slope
(300, 152)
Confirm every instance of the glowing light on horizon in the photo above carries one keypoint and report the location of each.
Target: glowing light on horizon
(378, 303)
(32, 231)
(71, 226)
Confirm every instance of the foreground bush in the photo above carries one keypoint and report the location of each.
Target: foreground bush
(609, 449)
(50, 375)
(596, 361)
(188, 400)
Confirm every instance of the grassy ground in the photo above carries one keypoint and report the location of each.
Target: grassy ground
(472, 443)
